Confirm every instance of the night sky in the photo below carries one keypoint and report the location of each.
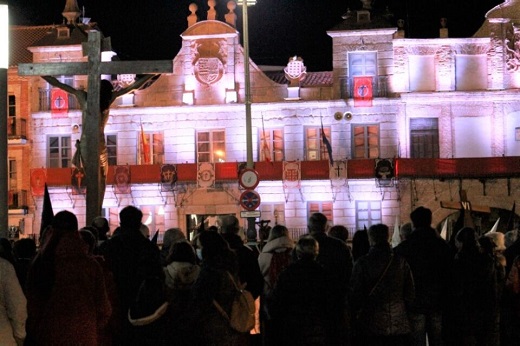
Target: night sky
(278, 29)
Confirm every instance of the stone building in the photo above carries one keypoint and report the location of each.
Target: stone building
(410, 121)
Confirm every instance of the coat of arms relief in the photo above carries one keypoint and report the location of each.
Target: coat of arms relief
(208, 57)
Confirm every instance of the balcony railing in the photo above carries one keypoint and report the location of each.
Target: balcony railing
(16, 128)
(45, 100)
(17, 199)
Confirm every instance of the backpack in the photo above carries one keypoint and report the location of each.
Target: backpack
(242, 316)
(279, 261)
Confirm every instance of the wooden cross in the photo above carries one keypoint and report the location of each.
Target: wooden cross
(91, 133)
(467, 206)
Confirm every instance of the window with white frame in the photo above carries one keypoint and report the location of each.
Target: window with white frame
(315, 149)
(271, 145)
(362, 63)
(424, 138)
(365, 141)
(13, 174)
(320, 207)
(368, 213)
(150, 148)
(111, 143)
(211, 146)
(58, 151)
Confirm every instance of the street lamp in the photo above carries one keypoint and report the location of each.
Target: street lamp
(247, 80)
(4, 65)
(251, 230)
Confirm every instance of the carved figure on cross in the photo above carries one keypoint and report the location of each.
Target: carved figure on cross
(95, 104)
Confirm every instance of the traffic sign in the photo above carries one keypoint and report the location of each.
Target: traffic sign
(250, 200)
(254, 213)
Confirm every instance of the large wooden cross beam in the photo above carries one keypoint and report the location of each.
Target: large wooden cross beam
(92, 122)
(467, 207)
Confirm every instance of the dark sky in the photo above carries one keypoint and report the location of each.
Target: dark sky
(278, 29)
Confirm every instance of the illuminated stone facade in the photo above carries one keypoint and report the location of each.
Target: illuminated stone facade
(432, 98)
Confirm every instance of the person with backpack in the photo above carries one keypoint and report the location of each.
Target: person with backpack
(300, 302)
(208, 320)
(274, 258)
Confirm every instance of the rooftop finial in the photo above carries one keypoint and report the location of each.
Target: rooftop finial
(71, 11)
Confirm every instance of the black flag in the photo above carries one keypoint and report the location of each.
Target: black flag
(154, 238)
(47, 213)
(511, 220)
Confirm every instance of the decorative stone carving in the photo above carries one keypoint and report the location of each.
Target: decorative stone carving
(512, 46)
(208, 70)
(295, 71)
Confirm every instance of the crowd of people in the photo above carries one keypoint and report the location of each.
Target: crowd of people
(84, 287)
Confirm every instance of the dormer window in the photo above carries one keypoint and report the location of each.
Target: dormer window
(63, 32)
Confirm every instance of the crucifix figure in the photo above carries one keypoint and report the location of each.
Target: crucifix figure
(95, 104)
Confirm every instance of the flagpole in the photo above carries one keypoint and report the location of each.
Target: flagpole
(251, 230)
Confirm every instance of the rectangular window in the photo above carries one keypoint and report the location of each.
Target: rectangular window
(111, 142)
(362, 63)
(11, 123)
(13, 176)
(320, 207)
(315, 150)
(365, 141)
(211, 146)
(368, 213)
(271, 145)
(151, 151)
(424, 138)
(58, 151)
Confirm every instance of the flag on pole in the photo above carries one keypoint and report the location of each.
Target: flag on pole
(266, 151)
(47, 212)
(327, 144)
(145, 147)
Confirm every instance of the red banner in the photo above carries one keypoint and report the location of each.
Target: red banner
(38, 180)
(59, 103)
(363, 91)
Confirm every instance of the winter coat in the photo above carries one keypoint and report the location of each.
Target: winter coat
(430, 259)
(384, 312)
(78, 308)
(207, 325)
(131, 258)
(264, 259)
(475, 295)
(300, 305)
(248, 269)
(13, 306)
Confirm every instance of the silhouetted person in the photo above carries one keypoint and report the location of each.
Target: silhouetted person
(336, 258)
(430, 259)
(381, 293)
(132, 259)
(300, 304)
(360, 244)
(66, 295)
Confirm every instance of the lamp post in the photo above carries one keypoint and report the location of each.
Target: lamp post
(4, 65)
(251, 230)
